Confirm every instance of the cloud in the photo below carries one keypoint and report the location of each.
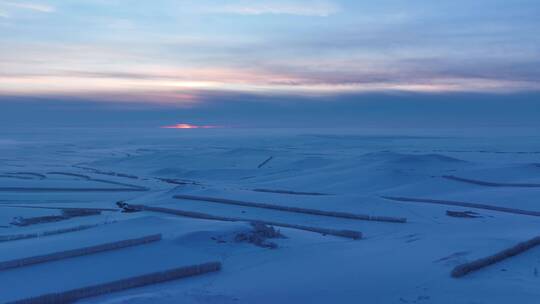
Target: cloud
(188, 90)
(181, 53)
(155, 73)
(291, 7)
(37, 7)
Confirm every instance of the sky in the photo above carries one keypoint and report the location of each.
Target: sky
(258, 59)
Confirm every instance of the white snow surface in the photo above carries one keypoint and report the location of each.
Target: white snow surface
(393, 263)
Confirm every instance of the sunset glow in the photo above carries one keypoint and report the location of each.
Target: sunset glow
(188, 126)
(267, 63)
(210, 48)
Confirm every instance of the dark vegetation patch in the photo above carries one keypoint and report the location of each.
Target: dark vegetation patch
(352, 234)
(15, 176)
(462, 204)
(478, 264)
(67, 254)
(266, 161)
(109, 173)
(288, 192)
(463, 214)
(259, 235)
(176, 181)
(15, 237)
(346, 215)
(490, 184)
(126, 208)
(453, 258)
(29, 174)
(66, 215)
(40, 189)
(74, 295)
(70, 174)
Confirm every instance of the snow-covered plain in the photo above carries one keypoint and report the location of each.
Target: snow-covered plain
(393, 263)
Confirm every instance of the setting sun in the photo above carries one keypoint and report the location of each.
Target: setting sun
(188, 126)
